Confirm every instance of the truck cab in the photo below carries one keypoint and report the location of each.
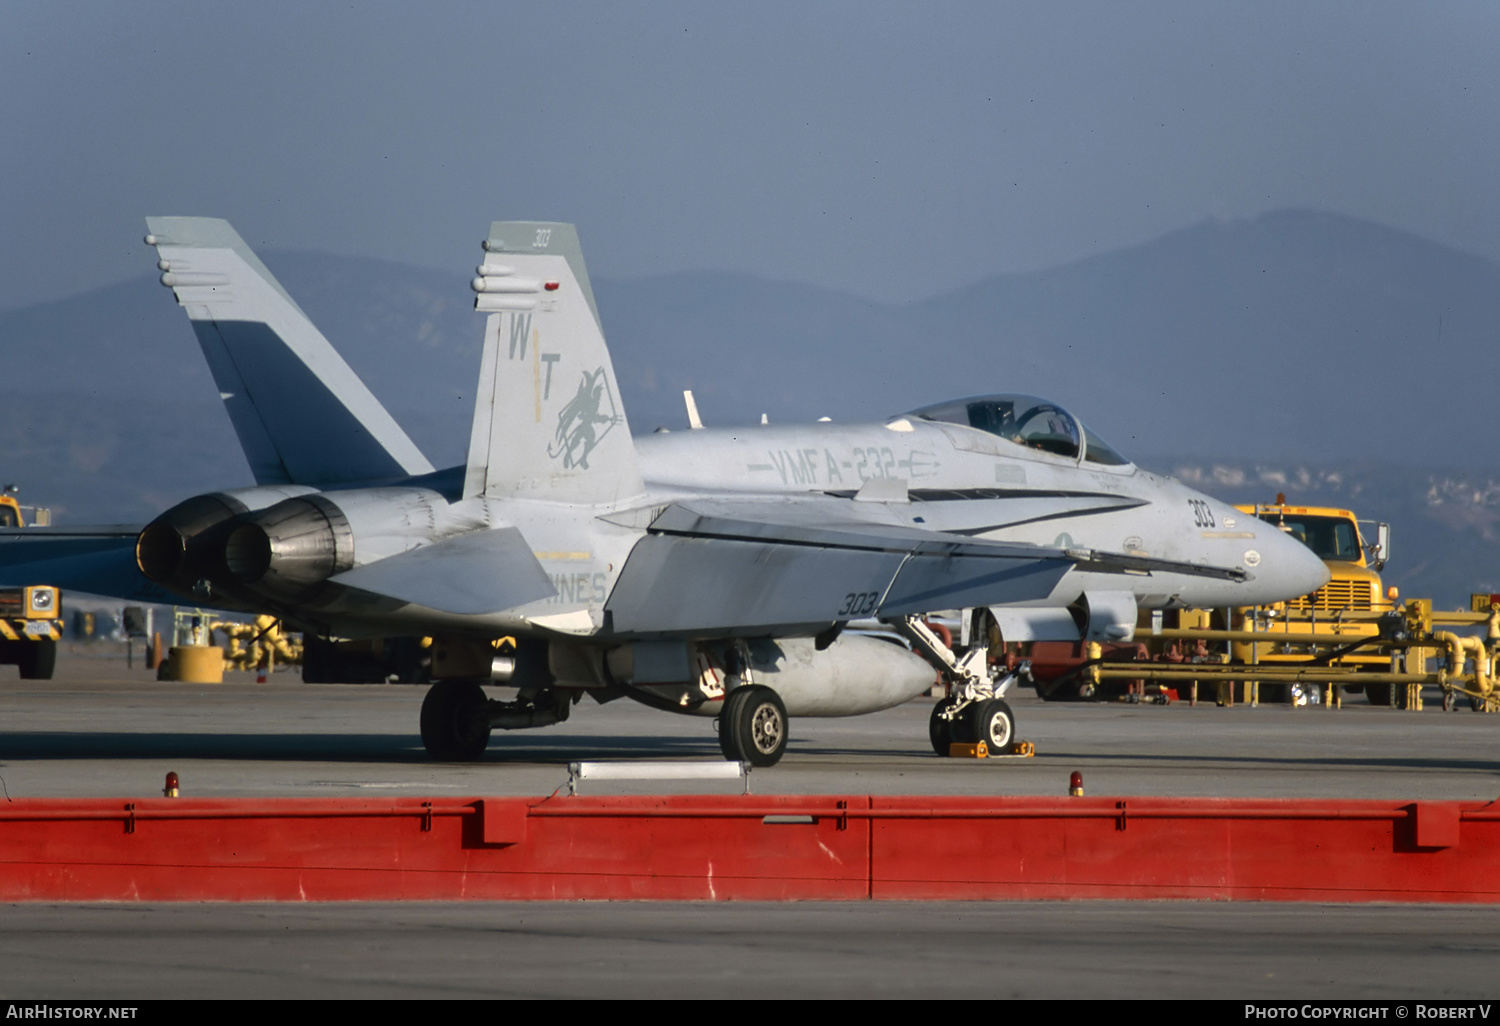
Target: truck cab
(1340, 609)
(1335, 536)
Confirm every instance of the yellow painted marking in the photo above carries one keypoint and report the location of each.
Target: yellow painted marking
(554, 556)
(1227, 534)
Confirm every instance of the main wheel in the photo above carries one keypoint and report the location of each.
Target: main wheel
(753, 726)
(992, 722)
(38, 659)
(940, 730)
(455, 721)
(1379, 694)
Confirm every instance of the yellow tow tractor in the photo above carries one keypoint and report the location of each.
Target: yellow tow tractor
(1337, 614)
(29, 622)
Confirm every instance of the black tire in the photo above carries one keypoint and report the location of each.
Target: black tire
(1380, 695)
(1450, 700)
(753, 726)
(455, 721)
(729, 715)
(992, 722)
(940, 730)
(38, 659)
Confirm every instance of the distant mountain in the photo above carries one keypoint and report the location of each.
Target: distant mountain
(1295, 339)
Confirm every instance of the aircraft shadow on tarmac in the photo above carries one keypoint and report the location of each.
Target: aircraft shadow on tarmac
(1287, 762)
(561, 749)
(352, 748)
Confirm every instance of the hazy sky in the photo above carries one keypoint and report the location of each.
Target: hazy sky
(892, 150)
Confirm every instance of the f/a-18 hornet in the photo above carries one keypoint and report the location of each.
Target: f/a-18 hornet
(709, 572)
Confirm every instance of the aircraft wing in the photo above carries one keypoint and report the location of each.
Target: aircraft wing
(754, 566)
(757, 565)
(99, 560)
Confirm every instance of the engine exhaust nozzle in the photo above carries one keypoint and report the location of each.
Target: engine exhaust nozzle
(290, 547)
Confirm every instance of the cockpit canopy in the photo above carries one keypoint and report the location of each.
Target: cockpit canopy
(1029, 421)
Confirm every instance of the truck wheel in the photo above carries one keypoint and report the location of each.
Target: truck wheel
(38, 659)
(1378, 694)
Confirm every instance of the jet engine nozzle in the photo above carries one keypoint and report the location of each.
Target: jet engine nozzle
(291, 547)
(185, 544)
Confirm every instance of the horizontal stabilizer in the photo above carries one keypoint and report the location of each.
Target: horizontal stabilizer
(302, 415)
(98, 560)
(471, 574)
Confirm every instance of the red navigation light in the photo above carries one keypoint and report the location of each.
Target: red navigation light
(551, 286)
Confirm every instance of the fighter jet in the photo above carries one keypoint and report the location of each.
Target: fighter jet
(716, 572)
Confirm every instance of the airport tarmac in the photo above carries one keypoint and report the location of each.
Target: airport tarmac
(102, 730)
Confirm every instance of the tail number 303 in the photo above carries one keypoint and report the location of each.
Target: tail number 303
(861, 603)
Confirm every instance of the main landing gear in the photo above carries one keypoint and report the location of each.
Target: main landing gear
(455, 721)
(457, 717)
(753, 726)
(974, 709)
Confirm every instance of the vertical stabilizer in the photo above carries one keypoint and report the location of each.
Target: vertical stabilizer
(301, 413)
(548, 423)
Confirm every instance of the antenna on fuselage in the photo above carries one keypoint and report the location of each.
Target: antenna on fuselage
(694, 421)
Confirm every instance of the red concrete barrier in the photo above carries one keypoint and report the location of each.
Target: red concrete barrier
(744, 848)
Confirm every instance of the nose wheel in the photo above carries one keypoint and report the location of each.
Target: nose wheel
(992, 722)
(989, 720)
(753, 726)
(940, 725)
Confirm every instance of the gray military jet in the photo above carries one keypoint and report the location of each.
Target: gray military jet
(710, 572)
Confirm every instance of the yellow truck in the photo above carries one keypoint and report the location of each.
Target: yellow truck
(29, 623)
(1340, 610)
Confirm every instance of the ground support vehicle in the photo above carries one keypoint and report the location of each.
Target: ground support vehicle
(30, 629)
(30, 620)
(1340, 609)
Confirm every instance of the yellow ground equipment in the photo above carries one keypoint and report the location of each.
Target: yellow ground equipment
(1410, 640)
(261, 644)
(1335, 612)
(30, 622)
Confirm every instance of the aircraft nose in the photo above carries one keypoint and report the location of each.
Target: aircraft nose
(1289, 569)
